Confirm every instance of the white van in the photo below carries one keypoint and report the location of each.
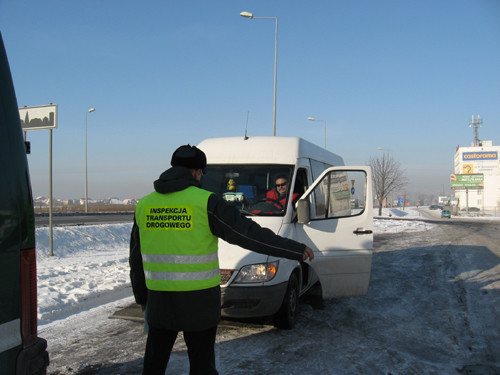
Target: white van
(243, 171)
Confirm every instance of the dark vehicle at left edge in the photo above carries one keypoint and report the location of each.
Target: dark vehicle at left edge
(22, 352)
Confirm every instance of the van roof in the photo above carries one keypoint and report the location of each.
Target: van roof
(264, 150)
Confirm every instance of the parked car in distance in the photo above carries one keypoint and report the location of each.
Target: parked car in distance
(471, 209)
(22, 352)
(445, 213)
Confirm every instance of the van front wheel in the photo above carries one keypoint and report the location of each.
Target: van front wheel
(286, 316)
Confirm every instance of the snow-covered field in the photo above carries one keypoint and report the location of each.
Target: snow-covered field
(87, 280)
(89, 268)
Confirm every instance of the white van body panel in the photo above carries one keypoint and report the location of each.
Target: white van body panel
(342, 257)
(235, 257)
(342, 247)
(264, 150)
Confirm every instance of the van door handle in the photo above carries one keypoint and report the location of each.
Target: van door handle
(362, 231)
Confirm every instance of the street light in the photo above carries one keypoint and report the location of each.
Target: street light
(250, 15)
(384, 149)
(313, 119)
(86, 185)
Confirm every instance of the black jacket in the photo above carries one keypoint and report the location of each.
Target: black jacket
(200, 309)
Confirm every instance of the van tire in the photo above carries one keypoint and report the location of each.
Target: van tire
(287, 315)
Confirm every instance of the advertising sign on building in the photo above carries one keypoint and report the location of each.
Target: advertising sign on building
(483, 160)
(467, 181)
(480, 155)
(40, 117)
(467, 168)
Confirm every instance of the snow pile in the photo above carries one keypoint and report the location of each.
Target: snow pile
(394, 226)
(90, 264)
(89, 268)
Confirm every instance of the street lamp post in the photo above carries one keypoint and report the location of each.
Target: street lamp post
(251, 16)
(324, 121)
(384, 149)
(86, 184)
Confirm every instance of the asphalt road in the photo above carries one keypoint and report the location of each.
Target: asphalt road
(432, 308)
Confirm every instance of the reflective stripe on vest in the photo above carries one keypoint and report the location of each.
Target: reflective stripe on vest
(186, 259)
(178, 249)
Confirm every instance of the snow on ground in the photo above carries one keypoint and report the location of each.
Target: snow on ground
(90, 268)
(89, 263)
(87, 280)
(392, 226)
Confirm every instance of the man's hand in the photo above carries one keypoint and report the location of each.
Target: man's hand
(308, 253)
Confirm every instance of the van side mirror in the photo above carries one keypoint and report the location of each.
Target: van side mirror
(303, 211)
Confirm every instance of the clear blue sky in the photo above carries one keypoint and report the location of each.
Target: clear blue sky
(405, 76)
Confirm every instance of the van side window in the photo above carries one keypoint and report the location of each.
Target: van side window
(340, 194)
(317, 168)
(301, 184)
(317, 198)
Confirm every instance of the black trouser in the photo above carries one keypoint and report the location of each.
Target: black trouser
(200, 345)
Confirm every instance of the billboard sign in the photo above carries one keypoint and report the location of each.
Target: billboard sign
(40, 117)
(480, 155)
(467, 181)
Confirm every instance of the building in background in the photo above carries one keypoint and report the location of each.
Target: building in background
(476, 181)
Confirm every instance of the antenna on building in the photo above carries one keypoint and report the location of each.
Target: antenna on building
(476, 124)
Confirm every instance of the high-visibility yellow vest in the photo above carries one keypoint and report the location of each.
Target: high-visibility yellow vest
(179, 252)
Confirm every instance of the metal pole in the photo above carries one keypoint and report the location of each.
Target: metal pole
(250, 15)
(275, 75)
(467, 199)
(86, 187)
(323, 121)
(482, 199)
(50, 194)
(86, 184)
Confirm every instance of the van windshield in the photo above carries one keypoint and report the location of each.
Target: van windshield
(256, 189)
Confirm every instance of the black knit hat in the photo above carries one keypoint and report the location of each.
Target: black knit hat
(189, 157)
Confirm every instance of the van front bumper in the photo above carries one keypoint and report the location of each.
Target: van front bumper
(252, 301)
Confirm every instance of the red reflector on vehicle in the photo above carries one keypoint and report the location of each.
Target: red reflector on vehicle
(28, 297)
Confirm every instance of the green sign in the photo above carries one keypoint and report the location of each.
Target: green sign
(467, 181)
(343, 194)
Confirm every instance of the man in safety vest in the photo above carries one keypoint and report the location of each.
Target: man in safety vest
(174, 262)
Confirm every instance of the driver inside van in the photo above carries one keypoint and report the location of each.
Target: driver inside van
(280, 191)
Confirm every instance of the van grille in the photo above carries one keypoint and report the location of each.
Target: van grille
(225, 275)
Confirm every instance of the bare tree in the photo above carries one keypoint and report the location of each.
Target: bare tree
(387, 177)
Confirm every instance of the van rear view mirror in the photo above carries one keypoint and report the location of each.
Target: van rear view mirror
(303, 211)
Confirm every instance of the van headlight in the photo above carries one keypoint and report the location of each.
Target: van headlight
(257, 273)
